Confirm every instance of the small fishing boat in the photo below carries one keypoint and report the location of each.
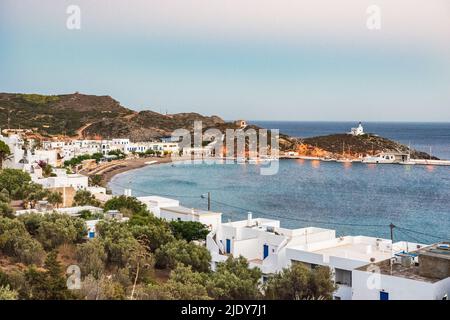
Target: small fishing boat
(381, 158)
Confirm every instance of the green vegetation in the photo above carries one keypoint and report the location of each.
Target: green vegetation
(14, 182)
(55, 199)
(78, 160)
(129, 260)
(7, 294)
(85, 198)
(4, 153)
(95, 180)
(126, 205)
(189, 230)
(119, 154)
(88, 215)
(299, 283)
(38, 98)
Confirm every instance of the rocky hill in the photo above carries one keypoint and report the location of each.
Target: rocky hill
(337, 145)
(90, 116)
(61, 114)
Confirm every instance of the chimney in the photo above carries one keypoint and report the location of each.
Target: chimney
(249, 218)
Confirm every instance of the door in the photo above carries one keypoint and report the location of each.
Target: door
(228, 246)
(384, 295)
(265, 251)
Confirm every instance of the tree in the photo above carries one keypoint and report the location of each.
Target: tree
(85, 198)
(5, 152)
(6, 210)
(55, 198)
(33, 192)
(152, 236)
(118, 241)
(125, 204)
(180, 251)
(14, 181)
(119, 154)
(189, 230)
(16, 242)
(183, 284)
(91, 257)
(298, 283)
(56, 286)
(151, 231)
(49, 284)
(54, 229)
(234, 279)
(96, 180)
(47, 169)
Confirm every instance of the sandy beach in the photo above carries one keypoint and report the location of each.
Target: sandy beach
(129, 164)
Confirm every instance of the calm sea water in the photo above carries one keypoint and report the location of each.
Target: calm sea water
(357, 199)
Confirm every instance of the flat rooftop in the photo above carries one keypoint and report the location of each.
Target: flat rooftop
(355, 251)
(189, 211)
(412, 271)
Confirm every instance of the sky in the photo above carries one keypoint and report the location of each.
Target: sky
(238, 59)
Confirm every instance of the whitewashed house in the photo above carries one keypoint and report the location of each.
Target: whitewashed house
(63, 179)
(261, 241)
(422, 274)
(170, 209)
(344, 254)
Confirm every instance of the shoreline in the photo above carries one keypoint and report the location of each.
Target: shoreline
(130, 164)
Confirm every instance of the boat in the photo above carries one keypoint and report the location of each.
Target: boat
(381, 158)
(327, 159)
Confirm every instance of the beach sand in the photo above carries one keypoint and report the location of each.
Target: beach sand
(131, 164)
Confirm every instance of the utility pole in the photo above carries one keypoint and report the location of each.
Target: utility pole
(209, 201)
(208, 196)
(392, 226)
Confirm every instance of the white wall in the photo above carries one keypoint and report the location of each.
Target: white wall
(398, 288)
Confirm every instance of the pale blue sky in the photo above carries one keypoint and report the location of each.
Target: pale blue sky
(251, 59)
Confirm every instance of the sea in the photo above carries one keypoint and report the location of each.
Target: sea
(356, 199)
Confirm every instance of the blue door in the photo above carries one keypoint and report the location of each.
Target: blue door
(228, 246)
(266, 251)
(384, 295)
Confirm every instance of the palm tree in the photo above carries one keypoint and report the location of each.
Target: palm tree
(4, 153)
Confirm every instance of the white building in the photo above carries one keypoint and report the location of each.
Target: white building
(170, 209)
(261, 241)
(142, 147)
(357, 131)
(271, 248)
(63, 179)
(344, 254)
(423, 274)
(71, 211)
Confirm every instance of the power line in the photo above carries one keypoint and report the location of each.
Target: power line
(410, 236)
(423, 233)
(154, 193)
(290, 218)
(299, 219)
